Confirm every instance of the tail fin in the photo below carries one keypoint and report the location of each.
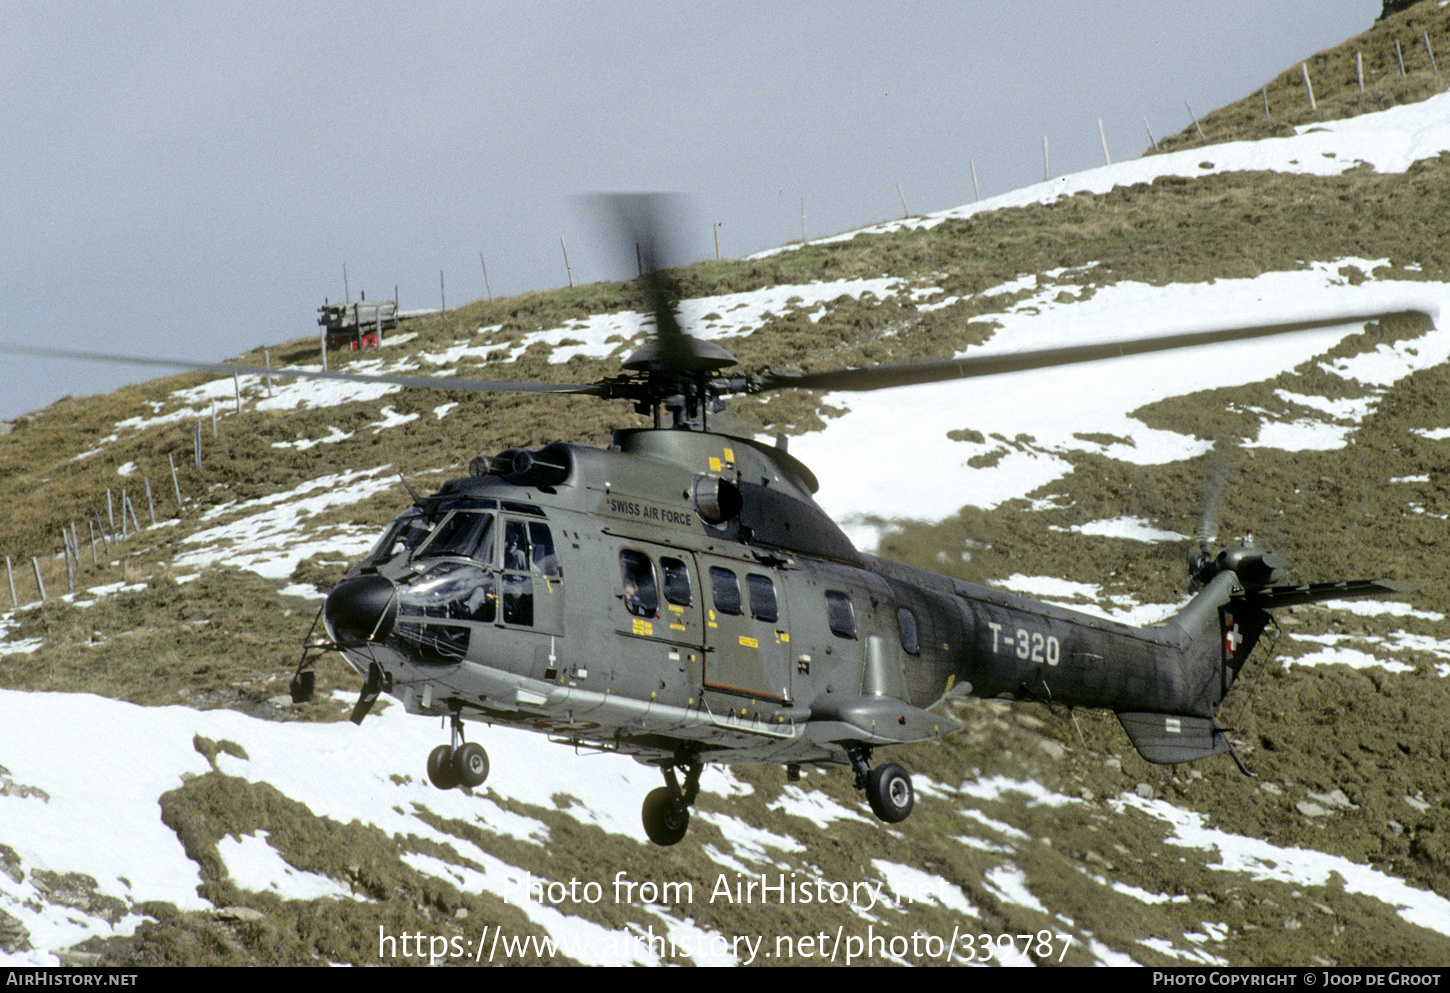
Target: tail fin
(1219, 629)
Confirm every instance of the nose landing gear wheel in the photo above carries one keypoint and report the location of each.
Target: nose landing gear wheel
(470, 765)
(888, 788)
(664, 821)
(440, 768)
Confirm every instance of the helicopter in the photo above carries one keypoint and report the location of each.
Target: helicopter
(681, 598)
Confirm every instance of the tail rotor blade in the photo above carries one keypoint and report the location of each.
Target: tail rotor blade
(1220, 466)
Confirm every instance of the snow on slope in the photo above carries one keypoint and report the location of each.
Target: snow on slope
(131, 755)
(60, 781)
(1054, 405)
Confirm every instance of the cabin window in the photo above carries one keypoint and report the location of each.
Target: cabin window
(840, 614)
(762, 598)
(906, 623)
(677, 581)
(465, 533)
(726, 590)
(641, 595)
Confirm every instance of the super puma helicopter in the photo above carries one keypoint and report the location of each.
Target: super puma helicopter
(681, 598)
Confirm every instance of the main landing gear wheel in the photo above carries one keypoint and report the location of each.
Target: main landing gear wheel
(440, 768)
(888, 789)
(470, 765)
(664, 821)
(667, 808)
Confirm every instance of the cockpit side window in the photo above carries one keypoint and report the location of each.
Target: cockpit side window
(405, 534)
(641, 594)
(515, 546)
(466, 533)
(544, 561)
(518, 583)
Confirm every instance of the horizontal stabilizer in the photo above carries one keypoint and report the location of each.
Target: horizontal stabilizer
(1272, 597)
(1168, 738)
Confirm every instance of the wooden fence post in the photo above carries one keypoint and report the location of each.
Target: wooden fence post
(150, 503)
(102, 528)
(174, 484)
(1151, 140)
(1196, 126)
(1400, 58)
(1430, 52)
(128, 506)
(1359, 70)
(40, 583)
(1103, 136)
(10, 574)
(1304, 68)
(976, 190)
(1046, 163)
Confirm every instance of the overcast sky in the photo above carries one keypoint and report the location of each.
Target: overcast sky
(188, 179)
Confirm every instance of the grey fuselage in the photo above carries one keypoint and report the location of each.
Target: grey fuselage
(682, 593)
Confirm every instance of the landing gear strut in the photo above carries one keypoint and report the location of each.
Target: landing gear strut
(667, 808)
(459, 763)
(887, 788)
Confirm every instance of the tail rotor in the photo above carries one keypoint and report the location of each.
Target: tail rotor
(1254, 567)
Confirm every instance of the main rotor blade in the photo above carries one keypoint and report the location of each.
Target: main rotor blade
(289, 372)
(915, 373)
(645, 220)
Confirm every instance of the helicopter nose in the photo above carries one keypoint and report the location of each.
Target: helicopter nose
(360, 609)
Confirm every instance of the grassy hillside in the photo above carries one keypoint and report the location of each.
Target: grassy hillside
(1375, 507)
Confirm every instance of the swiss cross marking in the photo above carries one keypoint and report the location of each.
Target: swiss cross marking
(1231, 637)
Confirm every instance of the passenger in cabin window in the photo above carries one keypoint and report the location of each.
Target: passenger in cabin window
(641, 595)
(632, 600)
